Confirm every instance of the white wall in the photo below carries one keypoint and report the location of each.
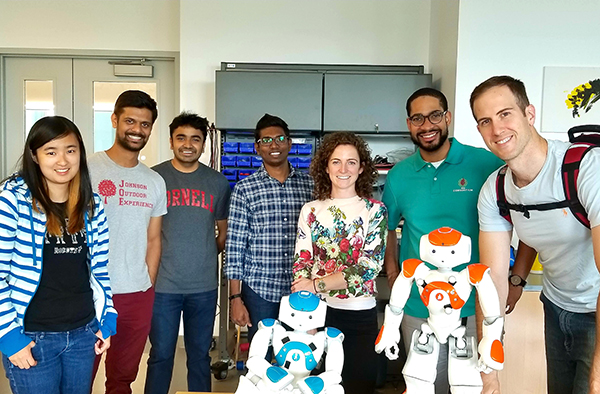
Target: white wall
(519, 38)
(291, 31)
(151, 25)
(442, 48)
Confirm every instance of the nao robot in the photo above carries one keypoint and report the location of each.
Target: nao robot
(444, 293)
(297, 352)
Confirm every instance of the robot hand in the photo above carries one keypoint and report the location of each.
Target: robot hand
(277, 379)
(491, 351)
(389, 335)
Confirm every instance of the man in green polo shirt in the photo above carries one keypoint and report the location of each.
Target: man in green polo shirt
(435, 187)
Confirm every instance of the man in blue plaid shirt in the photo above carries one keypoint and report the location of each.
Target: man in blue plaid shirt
(262, 223)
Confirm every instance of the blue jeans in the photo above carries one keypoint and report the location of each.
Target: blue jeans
(198, 320)
(570, 340)
(258, 308)
(64, 362)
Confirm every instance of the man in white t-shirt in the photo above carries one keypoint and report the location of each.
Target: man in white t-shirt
(505, 120)
(134, 201)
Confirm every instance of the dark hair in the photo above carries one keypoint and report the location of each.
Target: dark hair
(427, 92)
(135, 99)
(318, 166)
(80, 197)
(270, 121)
(516, 87)
(189, 119)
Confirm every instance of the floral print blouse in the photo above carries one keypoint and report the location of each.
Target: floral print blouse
(345, 235)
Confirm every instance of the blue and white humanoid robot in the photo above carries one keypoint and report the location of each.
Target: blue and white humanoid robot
(297, 352)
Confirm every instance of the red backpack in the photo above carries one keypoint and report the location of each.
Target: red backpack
(583, 139)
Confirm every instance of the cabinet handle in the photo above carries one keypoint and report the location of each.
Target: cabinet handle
(377, 127)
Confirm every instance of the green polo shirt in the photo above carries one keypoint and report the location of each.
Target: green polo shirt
(429, 198)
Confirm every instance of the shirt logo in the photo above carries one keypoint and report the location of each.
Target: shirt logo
(462, 183)
(107, 188)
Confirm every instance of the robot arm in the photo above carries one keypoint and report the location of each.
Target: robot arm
(389, 335)
(275, 378)
(334, 362)
(490, 347)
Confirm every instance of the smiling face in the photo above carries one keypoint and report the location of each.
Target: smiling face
(59, 162)
(428, 137)
(133, 127)
(187, 144)
(276, 153)
(505, 129)
(343, 168)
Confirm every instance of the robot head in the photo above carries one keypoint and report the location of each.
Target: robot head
(302, 311)
(445, 248)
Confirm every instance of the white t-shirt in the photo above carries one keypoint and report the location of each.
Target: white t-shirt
(131, 197)
(570, 277)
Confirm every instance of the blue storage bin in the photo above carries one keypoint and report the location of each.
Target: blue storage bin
(293, 161)
(304, 162)
(294, 150)
(304, 149)
(231, 175)
(231, 147)
(229, 161)
(232, 185)
(245, 173)
(244, 161)
(256, 161)
(246, 147)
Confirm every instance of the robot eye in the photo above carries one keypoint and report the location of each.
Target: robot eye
(433, 251)
(452, 252)
(310, 316)
(293, 314)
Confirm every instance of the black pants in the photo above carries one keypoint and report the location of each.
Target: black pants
(360, 360)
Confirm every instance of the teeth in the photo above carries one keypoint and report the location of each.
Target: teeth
(344, 177)
(504, 141)
(429, 135)
(135, 137)
(275, 153)
(62, 171)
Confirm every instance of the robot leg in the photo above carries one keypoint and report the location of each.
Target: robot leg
(420, 369)
(335, 389)
(463, 376)
(246, 387)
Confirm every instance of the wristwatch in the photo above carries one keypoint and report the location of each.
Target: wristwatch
(321, 285)
(516, 280)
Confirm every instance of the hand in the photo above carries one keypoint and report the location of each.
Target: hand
(303, 284)
(491, 384)
(23, 358)
(101, 344)
(514, 294)
(239, 314)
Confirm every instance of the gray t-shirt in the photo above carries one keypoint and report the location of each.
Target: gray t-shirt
(570, 276)
(131, 197)
(195, 201)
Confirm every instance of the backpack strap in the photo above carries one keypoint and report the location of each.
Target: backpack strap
(503, 206)
(570, 173)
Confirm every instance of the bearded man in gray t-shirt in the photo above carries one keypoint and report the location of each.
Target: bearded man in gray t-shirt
(197, 200)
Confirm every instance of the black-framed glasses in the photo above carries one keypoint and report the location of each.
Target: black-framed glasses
(434, 118)
(280, 139)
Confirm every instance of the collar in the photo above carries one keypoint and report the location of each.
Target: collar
(262, 172)
(455, 155)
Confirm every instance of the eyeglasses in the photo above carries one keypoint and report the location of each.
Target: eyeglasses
(280, 139)
(434, 118)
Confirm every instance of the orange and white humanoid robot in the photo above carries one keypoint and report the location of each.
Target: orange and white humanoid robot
(444, 293)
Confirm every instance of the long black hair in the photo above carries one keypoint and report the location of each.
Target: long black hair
(80, 197)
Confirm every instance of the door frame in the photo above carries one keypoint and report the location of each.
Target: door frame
(75, 54)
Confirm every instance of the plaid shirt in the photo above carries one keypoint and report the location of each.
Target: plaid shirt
(261, 231)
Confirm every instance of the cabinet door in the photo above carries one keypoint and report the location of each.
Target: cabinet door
(369, 103)
(244, 97)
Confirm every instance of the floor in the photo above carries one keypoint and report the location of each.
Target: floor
(524, 371)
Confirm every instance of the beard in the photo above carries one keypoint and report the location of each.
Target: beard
(434, 145)
(130, 146)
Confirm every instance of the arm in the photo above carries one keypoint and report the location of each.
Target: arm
(154, 247)
(239, 313)
(494, 250)
(222, 235)
(523, 263)
(595, 370)
(390, 259)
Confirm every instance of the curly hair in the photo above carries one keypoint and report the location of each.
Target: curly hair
(318, 166)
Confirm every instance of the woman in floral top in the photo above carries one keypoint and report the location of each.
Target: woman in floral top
(340, 248)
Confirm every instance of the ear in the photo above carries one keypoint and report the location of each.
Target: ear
(203, 147)
(171, 143)
(362, 168)
(448, 117)
(408, 124)
(114, 120)
(34, 157)
(530, 114)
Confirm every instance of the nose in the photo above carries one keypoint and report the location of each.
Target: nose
(497, 128)
(62, 158)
